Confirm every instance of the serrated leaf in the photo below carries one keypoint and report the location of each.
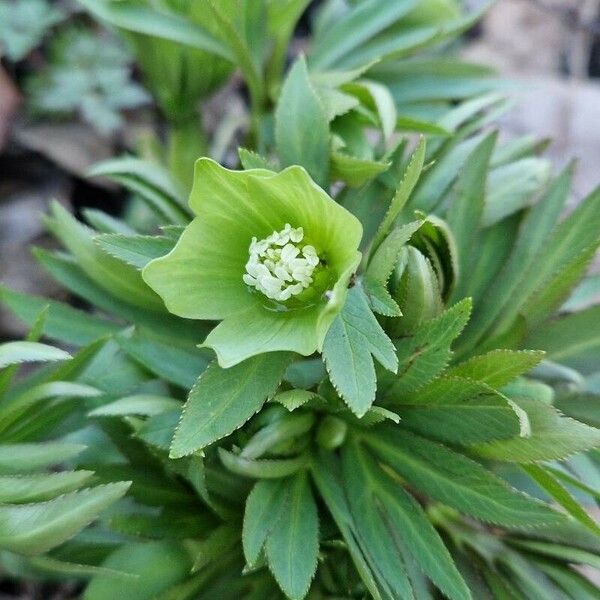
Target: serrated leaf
(175, 361)
(381, 266)
(293, 399)
(466, 209)
(34, 528)
(357, 26)
(353, 338)
(552, 437)
(13, 353)
(470, 411)
(264, 506)
(547, 482)
(403, 192)
(425, 355)
(573, 340)
(355, 171)
(262, 469)
(457, 481)
(19, 489)
(26, 458)
(224, 399)
(160, 24)
(145, 405)
(498, 367)
(301, 126)
(253, 160)
(135, 250)
(119, 279)
(388, 517)
(292, 546)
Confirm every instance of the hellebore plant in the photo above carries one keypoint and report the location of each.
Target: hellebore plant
(404, 403)
(268, 254)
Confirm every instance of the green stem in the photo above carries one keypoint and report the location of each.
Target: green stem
(186, 143)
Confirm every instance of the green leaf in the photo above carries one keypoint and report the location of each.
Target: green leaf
(262, 469)
(513, 187)
(135, 250)
(301, 126)
(498, 367)
(159, 24)
(119, 279)
(359, 24)
(158, 565)
(353, 337)
(293, 399)
(293, 545)
(264, 506)
(145, 405)
(25, 458)
(324, 470)
(389, 519)
(382, 264)
(573, 340)
(175, 361)
(425, 355)
(471, 412)
(457, 481)
(561, 552)
(403, 191)
(547, 482)
(224, 399)
(466, 209)
(14, 353)
(37, 487)
(552, 437)
(253, 160)
(34, 528)
(355, 171)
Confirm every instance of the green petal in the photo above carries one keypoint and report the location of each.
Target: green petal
(257, 202)
(201, 278)
(259, 330)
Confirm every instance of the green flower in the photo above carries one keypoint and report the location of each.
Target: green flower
(268, 254)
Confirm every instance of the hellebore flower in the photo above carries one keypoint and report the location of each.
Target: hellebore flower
(268, 254)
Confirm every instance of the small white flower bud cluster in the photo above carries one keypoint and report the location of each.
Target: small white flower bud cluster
(278, 267)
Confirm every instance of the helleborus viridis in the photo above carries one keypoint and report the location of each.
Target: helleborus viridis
(270, 255)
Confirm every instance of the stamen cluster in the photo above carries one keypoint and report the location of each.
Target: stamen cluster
(278, 266)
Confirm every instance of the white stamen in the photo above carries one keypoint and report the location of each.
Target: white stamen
(278, 267)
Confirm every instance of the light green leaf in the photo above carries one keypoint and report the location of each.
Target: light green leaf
(224, 399)
(293, 545)
(403, 192)
(19, 489)
(135, 250)
(26, 458)
(14, 353)
(355, 171)
(34, 528)
(117, 278)
(262, 469)
(354, 336)
(457, 481)
(145, 405)
(573, 340)
(159, 24)
(382, 264)
(552, 437)
(358, 25)
(547, 482)
(498, 367)
(301, 126)
(293, 399)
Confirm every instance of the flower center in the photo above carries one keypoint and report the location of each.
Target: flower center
(279, 266)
